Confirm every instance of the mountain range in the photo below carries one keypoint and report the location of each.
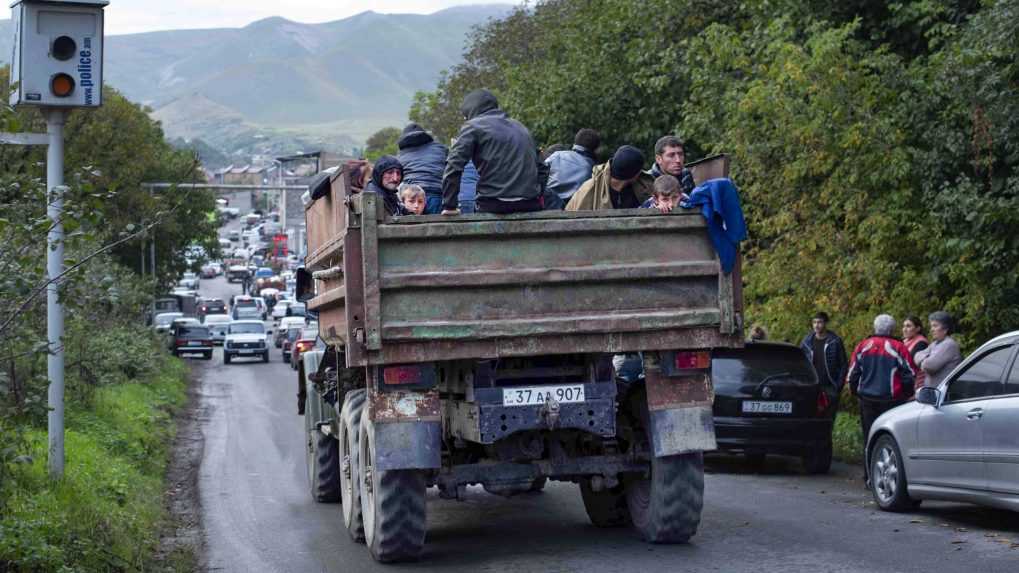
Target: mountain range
(278, 86)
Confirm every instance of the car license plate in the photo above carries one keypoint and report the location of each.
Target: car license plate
(758, 407)
(247, 351)
(194, 343)
(538, 395)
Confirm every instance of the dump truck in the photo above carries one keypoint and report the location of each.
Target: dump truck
(479, 350)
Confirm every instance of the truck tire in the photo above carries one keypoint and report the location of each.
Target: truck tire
(350, 490)
(392, 505)
(606, 508)
(666, 508)
(323, 460)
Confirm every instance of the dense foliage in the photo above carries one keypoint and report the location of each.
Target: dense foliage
(875, 143)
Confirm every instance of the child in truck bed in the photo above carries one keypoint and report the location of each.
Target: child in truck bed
(667, 194)
(413, 199)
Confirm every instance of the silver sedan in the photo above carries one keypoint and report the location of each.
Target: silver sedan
(956, 442)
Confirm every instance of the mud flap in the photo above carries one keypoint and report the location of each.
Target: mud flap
(407, 430)
(680, 413)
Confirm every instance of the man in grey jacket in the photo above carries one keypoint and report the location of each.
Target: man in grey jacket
(504, 153)
(569, 169)
(423, 160)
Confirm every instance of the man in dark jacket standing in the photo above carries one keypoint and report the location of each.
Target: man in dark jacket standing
(504, 153)
(423, 160)
(827, 353)
(386, 178)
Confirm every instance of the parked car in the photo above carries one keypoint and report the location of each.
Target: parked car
(245, 339)
(189, 280)
(233, 235)
(956, 442)
(306, 341)
(217, 325)
(768, 401)
(161, 323)
(286, 324)
(192, 339)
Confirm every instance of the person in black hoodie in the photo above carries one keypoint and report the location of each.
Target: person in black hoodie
(504, 153)
(424, 160)
(386, 178)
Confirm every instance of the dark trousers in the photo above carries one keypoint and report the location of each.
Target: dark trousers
(488, 205)
(870, 410)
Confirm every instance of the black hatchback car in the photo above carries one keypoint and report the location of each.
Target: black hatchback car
(768, 400)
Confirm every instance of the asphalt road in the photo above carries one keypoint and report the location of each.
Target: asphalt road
(258, 515)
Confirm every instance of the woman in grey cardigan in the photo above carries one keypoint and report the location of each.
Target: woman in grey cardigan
(943, 355)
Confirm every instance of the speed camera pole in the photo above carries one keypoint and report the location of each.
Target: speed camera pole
(54, 266)
(56, 67)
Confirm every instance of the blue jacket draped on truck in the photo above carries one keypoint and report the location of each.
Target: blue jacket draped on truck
(719, 203)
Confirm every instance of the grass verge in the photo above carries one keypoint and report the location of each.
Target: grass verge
(107, 511)
(847, 438)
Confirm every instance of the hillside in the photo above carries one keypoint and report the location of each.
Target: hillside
(283, 82)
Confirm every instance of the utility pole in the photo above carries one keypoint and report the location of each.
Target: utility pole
(55, 119)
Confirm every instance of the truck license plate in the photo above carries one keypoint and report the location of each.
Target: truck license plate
(538, 395)
(194, 343)
(247, 351)
(758, 407)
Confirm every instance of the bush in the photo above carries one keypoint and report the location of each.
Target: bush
(847, 438)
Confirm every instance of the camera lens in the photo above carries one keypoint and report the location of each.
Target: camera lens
(64, 48)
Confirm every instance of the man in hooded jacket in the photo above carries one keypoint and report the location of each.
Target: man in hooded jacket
(423, 160)
(386, 178)
(504, 153)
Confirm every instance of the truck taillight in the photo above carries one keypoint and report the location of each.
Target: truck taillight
(181, 341)
(409, 375)
(692, 360)
(822, 401)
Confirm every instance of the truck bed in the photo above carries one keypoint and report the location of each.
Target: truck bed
(396, 290)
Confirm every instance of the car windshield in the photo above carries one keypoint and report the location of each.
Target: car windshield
(194, 332)
(309, 333)
(244, 302)
(754, 365)
(297, 308)
(247, 328)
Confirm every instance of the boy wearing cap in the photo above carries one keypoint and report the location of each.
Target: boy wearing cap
(618, 184)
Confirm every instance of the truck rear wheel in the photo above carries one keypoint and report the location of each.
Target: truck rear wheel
(322, 454)
(606, 508)
(350, 490)
(392, 505)
(667, 507)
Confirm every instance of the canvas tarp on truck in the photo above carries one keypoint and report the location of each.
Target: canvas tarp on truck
(398, 290)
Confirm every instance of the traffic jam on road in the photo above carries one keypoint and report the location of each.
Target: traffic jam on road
(768, 406)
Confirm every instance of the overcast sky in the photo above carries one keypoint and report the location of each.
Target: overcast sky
(131, 16)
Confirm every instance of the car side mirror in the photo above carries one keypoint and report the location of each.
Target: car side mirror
(305, 285)
(929, 396)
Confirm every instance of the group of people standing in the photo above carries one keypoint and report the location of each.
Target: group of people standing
(494, 167)
(884, 371)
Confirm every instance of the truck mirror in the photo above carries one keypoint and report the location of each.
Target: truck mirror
(305, 285)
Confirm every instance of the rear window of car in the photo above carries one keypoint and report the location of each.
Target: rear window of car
(194, 331)
(755, 364)
(309, 333)
(245, 302)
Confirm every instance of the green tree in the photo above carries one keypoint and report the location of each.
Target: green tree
(382, 142)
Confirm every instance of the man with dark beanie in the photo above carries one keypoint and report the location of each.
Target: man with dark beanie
(618, 184)
(504, 153)
(569, 169)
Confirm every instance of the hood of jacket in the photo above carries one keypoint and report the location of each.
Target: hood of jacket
(478, 102)
(413, 136)
(385, 163)
(594, 194)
